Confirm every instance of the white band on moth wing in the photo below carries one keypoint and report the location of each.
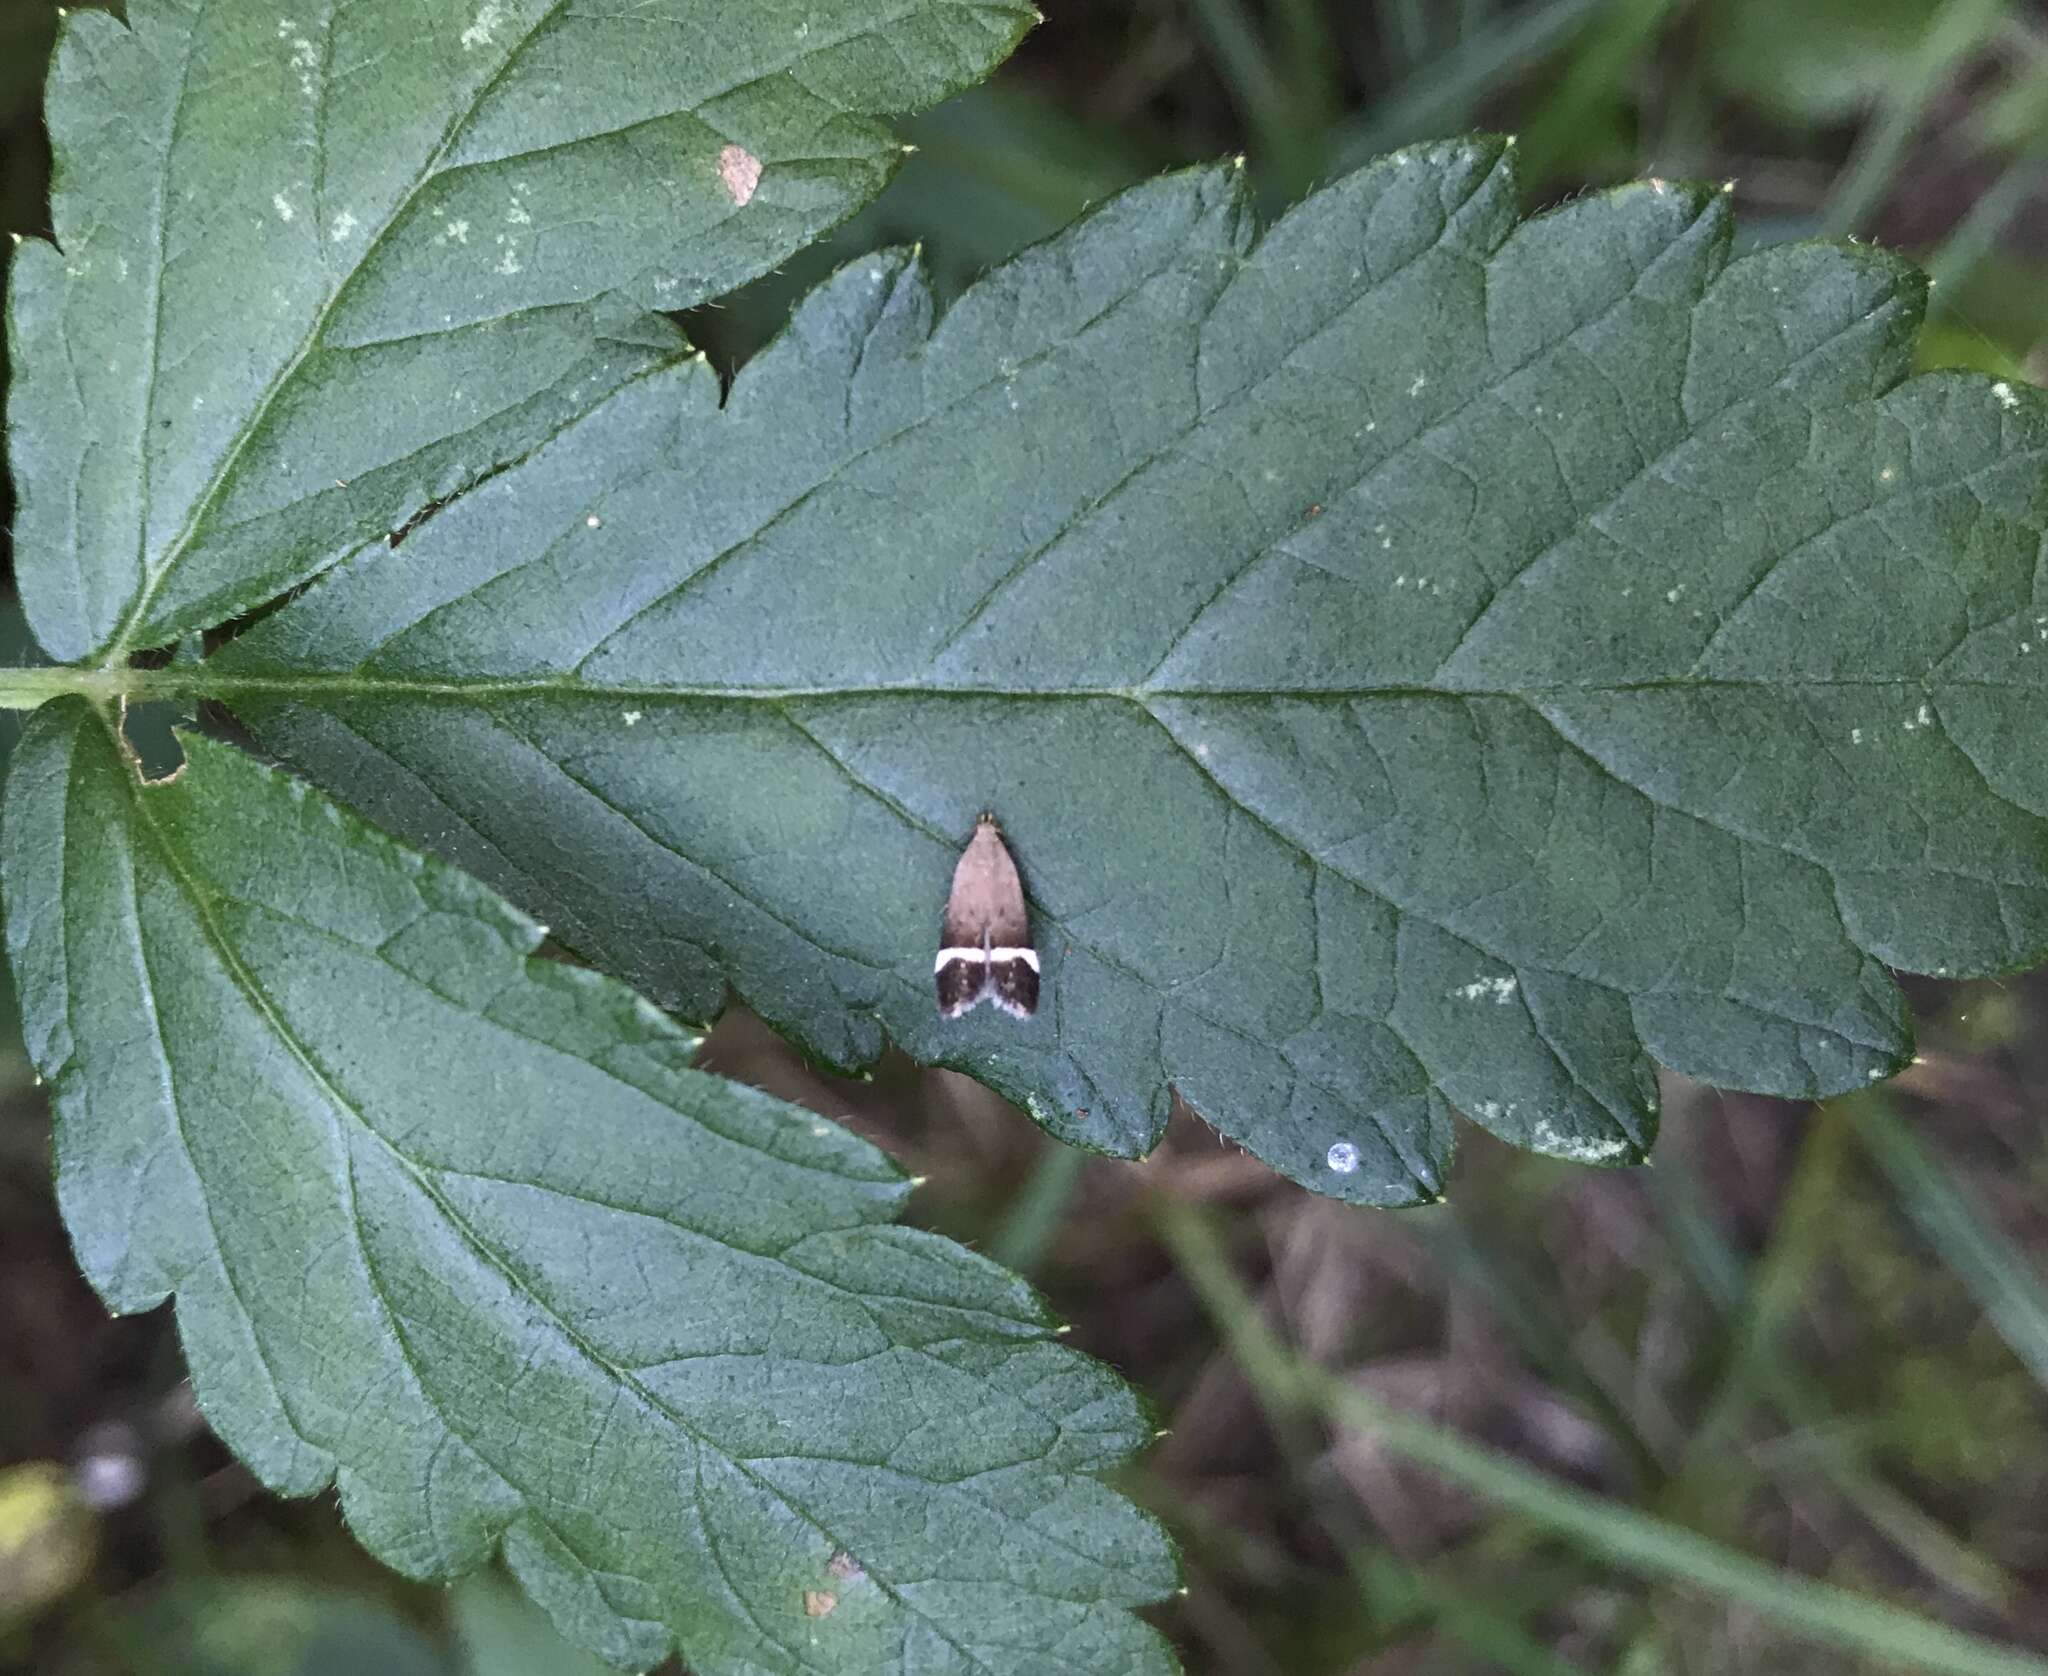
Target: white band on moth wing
(1028, 956)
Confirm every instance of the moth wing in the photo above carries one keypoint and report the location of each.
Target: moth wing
(1014, 987)
(961, 982)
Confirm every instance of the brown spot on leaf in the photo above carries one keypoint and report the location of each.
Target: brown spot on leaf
(818, 1602)
(844, 1568)
(740, 172)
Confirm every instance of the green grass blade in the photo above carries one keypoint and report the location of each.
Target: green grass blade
(1034, 1218)
(1447, 92)
(1977, 233)
(1286, 138)
(1961, 28)
(1991, 1267)
(1611, 51)
(1633, 1541)
(1758, 1300)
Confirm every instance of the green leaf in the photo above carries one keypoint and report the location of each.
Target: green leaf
(319, 267)
(459, 1231)
(1421, 661)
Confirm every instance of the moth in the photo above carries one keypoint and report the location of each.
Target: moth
(985, 951)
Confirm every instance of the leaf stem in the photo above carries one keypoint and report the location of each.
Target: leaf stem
(27, 689)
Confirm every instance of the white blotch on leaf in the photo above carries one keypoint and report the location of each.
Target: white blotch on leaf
(593, 522)
(1923, 717)
(1342, 1157)
(344, 224)
(483, 30)
(1500, 991)
(1547, 1137)
(2007, 397)
(629, 717)
(739, 171)
(1421, 384)
(283, 206)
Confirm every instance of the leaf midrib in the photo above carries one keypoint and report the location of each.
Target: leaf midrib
(227, 686)
(1423, 1178)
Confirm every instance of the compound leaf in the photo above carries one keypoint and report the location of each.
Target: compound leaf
(458, 1230)
(319, 266)
(1422, 659)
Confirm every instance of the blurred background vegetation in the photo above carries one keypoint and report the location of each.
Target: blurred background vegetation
(1775, 1403)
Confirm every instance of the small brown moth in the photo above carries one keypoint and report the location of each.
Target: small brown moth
(985, 951)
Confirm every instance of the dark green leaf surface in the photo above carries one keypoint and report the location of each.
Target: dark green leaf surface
(458, 1230)
(1420, 660)
(317, 266)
